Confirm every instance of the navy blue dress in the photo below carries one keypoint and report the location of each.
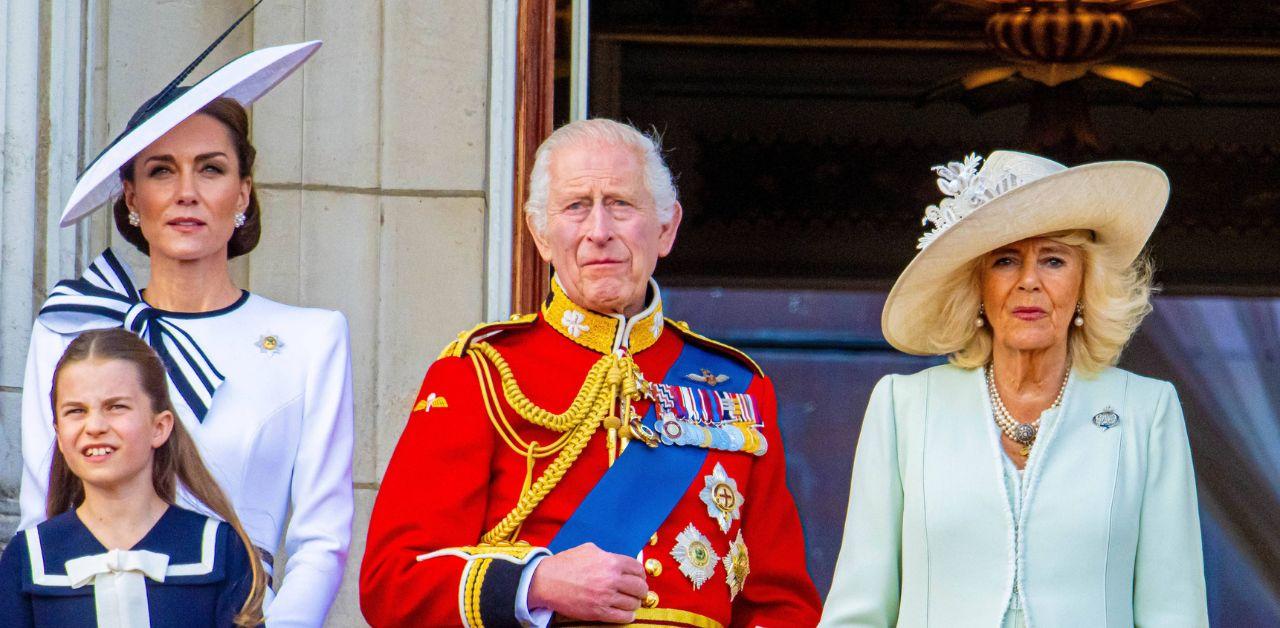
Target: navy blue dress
(207, 579)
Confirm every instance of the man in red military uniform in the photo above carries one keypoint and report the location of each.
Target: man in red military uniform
(596, 463)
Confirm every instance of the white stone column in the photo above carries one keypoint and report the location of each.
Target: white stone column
(41, 117)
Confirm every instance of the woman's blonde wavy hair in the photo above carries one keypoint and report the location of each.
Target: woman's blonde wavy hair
(1114, 298)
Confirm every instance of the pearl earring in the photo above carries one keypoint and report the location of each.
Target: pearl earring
(1079, 321)
(239, 220)
(978, 322)
(135, 219)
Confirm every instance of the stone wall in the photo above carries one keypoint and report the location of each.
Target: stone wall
(372, 174)
(41, 88)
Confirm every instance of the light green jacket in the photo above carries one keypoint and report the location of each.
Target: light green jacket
(1110, 533)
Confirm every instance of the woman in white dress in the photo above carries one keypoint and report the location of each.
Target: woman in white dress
(1029, 482)
(264, 388)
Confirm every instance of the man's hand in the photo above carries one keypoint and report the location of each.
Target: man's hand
(590, 584)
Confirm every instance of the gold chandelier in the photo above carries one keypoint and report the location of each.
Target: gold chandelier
(1053, 44)
(1054, 41)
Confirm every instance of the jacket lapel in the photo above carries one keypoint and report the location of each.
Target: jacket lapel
(1068, 498)
(967, 514)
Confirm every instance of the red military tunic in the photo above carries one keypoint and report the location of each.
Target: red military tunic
(453, 477)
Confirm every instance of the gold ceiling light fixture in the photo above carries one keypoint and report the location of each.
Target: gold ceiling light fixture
(1052, 46)
(1055, 41)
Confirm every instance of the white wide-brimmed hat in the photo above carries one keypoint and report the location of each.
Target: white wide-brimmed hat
(1014, 196)
(245, 79)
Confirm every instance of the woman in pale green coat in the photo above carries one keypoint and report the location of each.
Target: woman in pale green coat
(1029, 482)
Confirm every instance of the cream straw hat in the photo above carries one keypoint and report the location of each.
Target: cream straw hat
(1014, 196)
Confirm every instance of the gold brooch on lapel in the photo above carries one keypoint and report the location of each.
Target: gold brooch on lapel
(694, 554)
(737, 566)
(708, 378)
(1106, 419)
(724, 502)
(269, 343)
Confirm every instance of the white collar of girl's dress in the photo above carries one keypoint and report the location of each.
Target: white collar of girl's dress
(208, 542)
(119, 576)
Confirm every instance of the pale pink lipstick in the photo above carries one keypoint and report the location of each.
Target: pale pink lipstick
(186, 225)
(1029, 313)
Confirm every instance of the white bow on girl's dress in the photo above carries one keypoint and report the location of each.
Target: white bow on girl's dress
(119, 584)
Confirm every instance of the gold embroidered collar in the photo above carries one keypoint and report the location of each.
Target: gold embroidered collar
(604, 333)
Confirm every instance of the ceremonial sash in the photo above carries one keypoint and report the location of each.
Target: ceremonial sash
(105, 296)
(644, 485)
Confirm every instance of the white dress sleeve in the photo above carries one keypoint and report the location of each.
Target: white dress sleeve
(1168, 579)
(319, 532)
(866, 587)
(37, 422)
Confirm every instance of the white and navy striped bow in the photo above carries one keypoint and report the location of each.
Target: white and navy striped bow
(105, 296)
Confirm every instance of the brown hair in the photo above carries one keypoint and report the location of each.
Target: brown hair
(176, 460)
(232, 115)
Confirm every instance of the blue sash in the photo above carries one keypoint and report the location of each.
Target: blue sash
(644, 485)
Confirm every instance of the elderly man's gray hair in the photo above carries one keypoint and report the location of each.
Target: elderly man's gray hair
(657, 177)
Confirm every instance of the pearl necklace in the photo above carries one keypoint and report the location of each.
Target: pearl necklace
(1021, 433)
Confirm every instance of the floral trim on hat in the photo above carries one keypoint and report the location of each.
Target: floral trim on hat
(967, 189)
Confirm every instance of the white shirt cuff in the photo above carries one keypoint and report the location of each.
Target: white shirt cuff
(530, 617)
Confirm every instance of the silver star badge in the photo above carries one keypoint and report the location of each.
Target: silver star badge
(694, 554)
(720, 494)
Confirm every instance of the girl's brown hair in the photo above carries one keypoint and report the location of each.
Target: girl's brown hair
(232, 115)
(177, 460)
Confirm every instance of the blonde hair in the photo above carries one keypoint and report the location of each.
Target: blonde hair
(1114, 298)
(177, 460)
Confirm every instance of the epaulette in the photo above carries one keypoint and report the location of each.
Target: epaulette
(458, 348)
(708, 343)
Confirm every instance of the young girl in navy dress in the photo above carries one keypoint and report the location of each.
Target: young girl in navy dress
(116, 551)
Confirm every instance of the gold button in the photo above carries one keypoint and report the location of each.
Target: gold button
(653, 567)
(651, 600)
(653, 540)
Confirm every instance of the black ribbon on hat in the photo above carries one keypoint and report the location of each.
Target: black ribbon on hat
(170, 92)
(104, 297)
